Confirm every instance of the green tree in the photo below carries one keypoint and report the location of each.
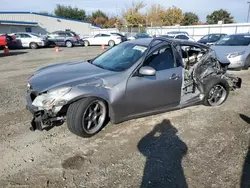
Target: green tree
(98, 17)
(134, 16)
(220, 15)
(69, 12)
(156, 15)
(173, 16)
(99, 14)
(190, 18)
(114, 22)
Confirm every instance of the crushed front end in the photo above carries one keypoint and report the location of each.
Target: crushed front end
(47, 112)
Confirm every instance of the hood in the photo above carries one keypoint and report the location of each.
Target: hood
(225, 50)
(66, 74)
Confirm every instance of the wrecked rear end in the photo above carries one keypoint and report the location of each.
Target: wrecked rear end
(208, 66)
(205, 70)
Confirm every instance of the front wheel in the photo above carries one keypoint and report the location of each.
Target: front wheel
(247, 63)
(111, 43)
(86, 43)
(87, 117)
(33, 45)
(216, 91)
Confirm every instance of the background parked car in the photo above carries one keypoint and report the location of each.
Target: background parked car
(178, 36)
(124, 38)
(106, 39)
(234, 49)
(7, 40)
(177, 32)
(139, 36)
(30, 40)
(211, 38)
(64, 38)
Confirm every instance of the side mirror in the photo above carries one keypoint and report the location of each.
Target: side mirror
(147, 71)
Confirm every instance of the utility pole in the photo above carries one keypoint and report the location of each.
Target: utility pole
(248, 10)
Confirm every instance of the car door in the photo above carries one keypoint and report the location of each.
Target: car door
(96, 40)
(152, 93)
(105, 38)
(60, 38)
(25, 39)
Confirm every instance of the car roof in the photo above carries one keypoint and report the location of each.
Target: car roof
(217, 34)
(146, 42)
(239, 34)
(22, 32)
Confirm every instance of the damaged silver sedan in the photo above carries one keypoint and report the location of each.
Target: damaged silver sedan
(131, 80)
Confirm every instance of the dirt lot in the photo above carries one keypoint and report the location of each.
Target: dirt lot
(194, 147)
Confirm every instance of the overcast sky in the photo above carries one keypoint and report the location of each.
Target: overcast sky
(238, 8)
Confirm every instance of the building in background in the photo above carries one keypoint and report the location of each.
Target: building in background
(11, 22)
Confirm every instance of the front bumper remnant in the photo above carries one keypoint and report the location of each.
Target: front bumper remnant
(36, 123)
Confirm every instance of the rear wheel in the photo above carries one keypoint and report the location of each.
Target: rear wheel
(87, 117)
(33, 45)
(216, 91)
(69, 44)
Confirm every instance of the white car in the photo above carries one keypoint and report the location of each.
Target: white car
(179, 36)
(30, 40)
(102, 39)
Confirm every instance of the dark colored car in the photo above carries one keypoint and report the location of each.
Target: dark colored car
(133, 79)
(8, 40)
(142, 35)
(64, 38)
(177, 32)
(123, 38)
(211, 38)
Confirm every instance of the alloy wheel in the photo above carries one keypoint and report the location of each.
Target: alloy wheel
(217, 95)
(94, 116)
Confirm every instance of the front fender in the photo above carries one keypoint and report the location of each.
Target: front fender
(103, 93)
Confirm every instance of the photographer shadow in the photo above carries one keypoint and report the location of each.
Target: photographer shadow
(164, 152)
(245, 176)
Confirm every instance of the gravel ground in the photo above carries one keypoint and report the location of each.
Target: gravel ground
(194, 147)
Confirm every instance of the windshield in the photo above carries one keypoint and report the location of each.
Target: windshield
(35, 34)
(234, 40)
(120, 58)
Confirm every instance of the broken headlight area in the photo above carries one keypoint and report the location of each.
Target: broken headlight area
(49, 109)
(52, 99)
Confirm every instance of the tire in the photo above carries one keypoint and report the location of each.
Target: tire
(111, 43)
(68, 44)
(86, 43)
(247, 64)
(33, 45)
(79, 116)
(215, 87)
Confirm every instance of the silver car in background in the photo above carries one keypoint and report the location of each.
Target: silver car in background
(30, 40)
(234, 49)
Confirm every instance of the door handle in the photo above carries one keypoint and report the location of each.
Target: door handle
(174, 77)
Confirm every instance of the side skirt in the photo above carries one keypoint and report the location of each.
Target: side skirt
(191, 102)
